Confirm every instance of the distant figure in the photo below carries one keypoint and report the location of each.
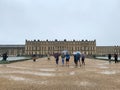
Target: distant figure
(56, 55)
(63, 57)
(83, 58)
(109, 57)
(5, 56)
(75, 59)
(67, 59)
(116, 58)
(34, 57)
(78, 59)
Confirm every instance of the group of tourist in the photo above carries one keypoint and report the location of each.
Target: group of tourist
(115, 57)
(63, 56)
(66, 57)
(78, 57)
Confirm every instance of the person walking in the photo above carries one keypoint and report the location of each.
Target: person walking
(83, 58)
(75, 59)
(56, 55)
(67, 59)
(78, 59)
(63, 57)
(116, 58)
(109, 57)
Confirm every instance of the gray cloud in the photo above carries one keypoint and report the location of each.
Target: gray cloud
(50, 19)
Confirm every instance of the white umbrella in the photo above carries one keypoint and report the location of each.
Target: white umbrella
(74, 53)
(78, 52)
(65, 51)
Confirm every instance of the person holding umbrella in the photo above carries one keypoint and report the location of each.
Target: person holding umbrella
(74, 54)
(56, 55)
(78, 59)
(83, 58)
(67, 59)
(62, 56)
(78, 55)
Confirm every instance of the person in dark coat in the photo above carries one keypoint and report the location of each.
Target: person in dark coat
(78, 59)
(5, 56)
(56, 55)
(83, 58)
(116, 58)
(63, 57)
(109, 57)
(75, 59)
(67, 59)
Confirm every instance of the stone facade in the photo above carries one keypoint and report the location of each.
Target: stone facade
(105, 50)
(49, 47)
(12, 50)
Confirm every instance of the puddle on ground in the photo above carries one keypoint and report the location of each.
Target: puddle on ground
(37, 73)
(91, 70)
(43, 74)
(109, 72)
(31, 81)
(85, 83)
(47, 69)
(72, 73)
(43, 69)
(103, 67)
(16, 78)
(106, 63)
(17, 67)
(42, 82)
(28, 72)
(101, 64)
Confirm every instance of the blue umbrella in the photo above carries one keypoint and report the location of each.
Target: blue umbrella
(78, 52)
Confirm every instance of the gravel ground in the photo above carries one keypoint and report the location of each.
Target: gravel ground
(46, 75)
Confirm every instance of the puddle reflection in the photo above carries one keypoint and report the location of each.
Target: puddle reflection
(109, 72)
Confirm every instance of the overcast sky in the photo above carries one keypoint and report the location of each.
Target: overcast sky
(60, 19)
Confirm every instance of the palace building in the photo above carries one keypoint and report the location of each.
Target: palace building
(45, 47)
(12, 50)
(49, 47)
(105, 50)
